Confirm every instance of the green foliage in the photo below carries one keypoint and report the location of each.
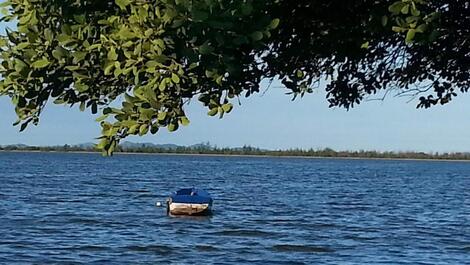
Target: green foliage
(156, 53)
(154, 56)
(410, 20)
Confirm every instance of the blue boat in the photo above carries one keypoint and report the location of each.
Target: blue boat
(189, 202)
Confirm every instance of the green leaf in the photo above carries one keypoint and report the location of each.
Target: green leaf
(175, 78)
(107, 110)
(64, 39)
(421, 28)
(205, 48)
(161, 116)
(41, 63)
(148, 32)
(79, 18)
(130, 98)
(102, 144)
(398, 29)
(21, 46)
(184, 121)
(410, 35)
(112, 55)
(213, 112)
(20, 65)
(405, 9)
(79, 56)
(23, 126)
(384, 21)
(125, 33)
(160, 43)
(219, 79)
(94, 108)
(365, 45)
(227, 107)
(209, 73)
(102, 118)
(143, 130)
(59, 53)
(415, 12)
(274, 23)
(81, 87)
(204, 98)
(111, 147)
(172, 127)
(221, 112)
(49, 35)
(154, 129)
(257, 35)
(122, 3)
(82, 106)
(24, 19)
(396, 7)
(72, 67)
(133, 128)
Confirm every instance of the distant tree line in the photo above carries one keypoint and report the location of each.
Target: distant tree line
(207, 148)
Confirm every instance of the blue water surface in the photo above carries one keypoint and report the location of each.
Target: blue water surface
(58, 208)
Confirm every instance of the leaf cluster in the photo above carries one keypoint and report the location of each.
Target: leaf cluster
(138, 61)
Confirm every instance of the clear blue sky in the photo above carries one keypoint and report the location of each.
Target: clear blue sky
(274, 121)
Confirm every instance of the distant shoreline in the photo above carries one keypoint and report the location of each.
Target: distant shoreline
(247, 155)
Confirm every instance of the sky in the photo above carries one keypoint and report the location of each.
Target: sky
(271, 120)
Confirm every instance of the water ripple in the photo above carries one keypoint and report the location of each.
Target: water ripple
(301, 248)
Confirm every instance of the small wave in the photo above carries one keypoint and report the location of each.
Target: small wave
(48, 230)
(83, 248)
(92, 248)
(49, 201)
(85, 221)
(360, 238)
(144, 195)
(244, 233)
(139, 191)
(206, 248)
(160, 249)
(323, 225)
(302, 248)
(280, 262)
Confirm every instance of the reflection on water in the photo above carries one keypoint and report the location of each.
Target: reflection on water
(196, 218)
(82, 208)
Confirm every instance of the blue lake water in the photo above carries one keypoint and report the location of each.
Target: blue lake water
(83, 208)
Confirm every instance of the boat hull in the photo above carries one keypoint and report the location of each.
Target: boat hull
(177, 208)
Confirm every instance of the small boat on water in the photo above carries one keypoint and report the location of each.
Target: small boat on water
(189, 202)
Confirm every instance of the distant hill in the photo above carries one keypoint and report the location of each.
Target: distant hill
(15, 145)
(124, 145)
(127, 144)
(85, 145)
(201, 145)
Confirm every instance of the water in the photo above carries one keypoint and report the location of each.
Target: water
(83, 208)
